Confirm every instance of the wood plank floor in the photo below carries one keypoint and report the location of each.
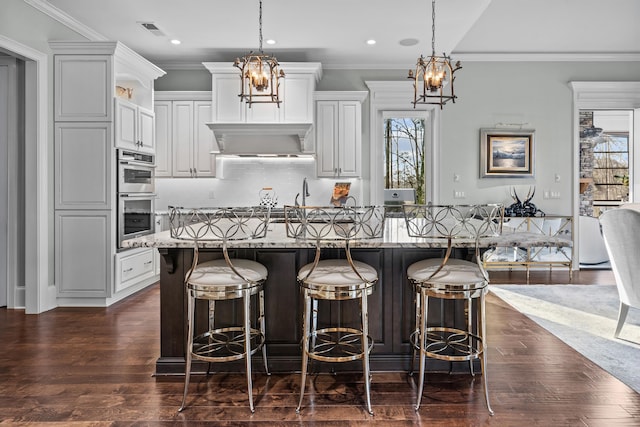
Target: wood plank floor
(93, 366)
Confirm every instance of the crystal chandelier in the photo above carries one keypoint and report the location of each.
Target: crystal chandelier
(259, 75)
(433, 77)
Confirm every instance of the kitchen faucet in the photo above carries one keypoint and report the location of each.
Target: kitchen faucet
(305, 193)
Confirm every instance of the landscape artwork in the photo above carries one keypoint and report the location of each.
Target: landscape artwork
(506, 153)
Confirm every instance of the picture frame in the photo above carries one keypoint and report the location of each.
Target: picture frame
(507, 153)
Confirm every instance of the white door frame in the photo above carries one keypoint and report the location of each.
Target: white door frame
(8, 143)
(40, 291)
(603, 96)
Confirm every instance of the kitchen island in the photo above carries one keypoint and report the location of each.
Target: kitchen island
(391, 306)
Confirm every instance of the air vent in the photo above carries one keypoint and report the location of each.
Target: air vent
(152, 28)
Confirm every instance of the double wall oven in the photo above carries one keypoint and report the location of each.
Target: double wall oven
(136, 195)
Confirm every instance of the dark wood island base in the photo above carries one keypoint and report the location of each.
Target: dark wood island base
(391, 309)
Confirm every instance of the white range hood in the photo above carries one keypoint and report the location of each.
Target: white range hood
(263, 138)
(264, 129)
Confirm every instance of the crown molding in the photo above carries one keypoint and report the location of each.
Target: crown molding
(66, 20)
(181, 66)
(546, 56)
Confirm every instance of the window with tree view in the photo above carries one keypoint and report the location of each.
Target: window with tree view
(605, 139)
(611, 167)
(405, 157)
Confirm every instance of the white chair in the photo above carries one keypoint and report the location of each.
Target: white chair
(335, 279)
(222, 279)
(449, 278)
(621, 231)
(592, 249)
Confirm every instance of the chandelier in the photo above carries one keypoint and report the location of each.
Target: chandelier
(433, 77)
(259, 75)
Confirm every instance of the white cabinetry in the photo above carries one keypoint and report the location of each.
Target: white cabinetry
(266, 128)
(296, 93)
(184, 142)
(84, 175)
(134, 127)
(339, 133)
(133, 266)
(90, 123)
(83, 255)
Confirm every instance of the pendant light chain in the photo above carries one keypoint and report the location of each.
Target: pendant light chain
(433, 27)
(260, 26)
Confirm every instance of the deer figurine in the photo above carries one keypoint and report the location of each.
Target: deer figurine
(520, 208)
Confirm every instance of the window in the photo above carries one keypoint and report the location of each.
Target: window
(611, 168)
(605, 158)
(404, 159)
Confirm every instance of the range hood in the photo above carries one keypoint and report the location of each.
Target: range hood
(290, 139)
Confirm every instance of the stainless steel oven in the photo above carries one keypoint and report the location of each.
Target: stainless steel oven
(135, 172)
(136, 198)
(136, 215)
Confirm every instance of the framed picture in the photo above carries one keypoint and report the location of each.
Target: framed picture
(506, 153)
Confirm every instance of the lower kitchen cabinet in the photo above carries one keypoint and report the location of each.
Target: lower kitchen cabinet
(88, 270)
(84, 264)
(134, 266)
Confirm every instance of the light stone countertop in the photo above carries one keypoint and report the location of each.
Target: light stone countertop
(395, 236)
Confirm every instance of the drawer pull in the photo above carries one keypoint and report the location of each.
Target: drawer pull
(127, 270)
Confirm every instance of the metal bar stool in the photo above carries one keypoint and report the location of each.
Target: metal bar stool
(223, 279)
(335, 279)
(454, 279)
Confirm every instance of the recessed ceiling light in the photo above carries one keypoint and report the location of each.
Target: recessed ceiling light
(271, 41)
(371, 42)
(408, 42)
(175, 41)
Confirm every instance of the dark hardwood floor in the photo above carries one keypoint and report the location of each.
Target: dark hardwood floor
(93, 366)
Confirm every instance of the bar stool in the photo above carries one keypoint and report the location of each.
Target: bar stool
(223, 279)
(453, 279)
(335, 280)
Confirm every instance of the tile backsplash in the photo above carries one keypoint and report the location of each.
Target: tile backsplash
(239, 181)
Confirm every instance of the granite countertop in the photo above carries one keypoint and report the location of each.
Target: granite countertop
(395, 236)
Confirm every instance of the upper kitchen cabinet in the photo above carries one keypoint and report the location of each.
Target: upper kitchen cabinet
(296, 91)
(184, 143)
(339, 133)
(88, 75)
(134, 127)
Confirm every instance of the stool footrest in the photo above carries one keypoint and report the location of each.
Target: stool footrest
(337, 344)
(225, 344)
(450, 344)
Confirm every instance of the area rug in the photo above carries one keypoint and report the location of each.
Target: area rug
(584, 317)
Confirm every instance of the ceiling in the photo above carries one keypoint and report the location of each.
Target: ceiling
(334, 32)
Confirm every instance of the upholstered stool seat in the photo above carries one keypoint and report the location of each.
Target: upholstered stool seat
(337, 276)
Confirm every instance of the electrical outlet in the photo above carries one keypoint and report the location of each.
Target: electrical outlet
(545, 194)
(212, 195)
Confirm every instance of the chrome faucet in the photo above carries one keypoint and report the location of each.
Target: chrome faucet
(305, 193)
